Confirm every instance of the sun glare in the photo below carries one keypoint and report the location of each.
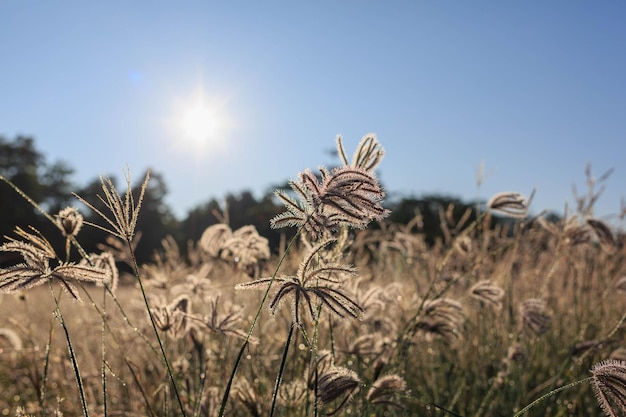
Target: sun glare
(199, 123)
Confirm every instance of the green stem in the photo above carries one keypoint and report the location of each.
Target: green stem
(44, 375)
(79, 381)
(156, 332)
(279, 377)
(543, 397)
(252, 326)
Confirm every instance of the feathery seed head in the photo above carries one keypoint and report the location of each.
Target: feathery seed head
(37, 270)
(293, 393)
(213, 238)
(444, 317)
(603, 233)
(335, 383)
(367, 155)
(536, 317)
(245, 246)
(488, 293)
(509, 203)
(609, 385)
(172, 318)
(315, 280)
(385, 388)
(106, 262)
(349, 195)
(124, 210)
(69, 220)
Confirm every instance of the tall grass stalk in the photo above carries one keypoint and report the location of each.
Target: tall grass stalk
(44, 373)
(244, 345)
(549, 394)
(70, 347)
(281, 369)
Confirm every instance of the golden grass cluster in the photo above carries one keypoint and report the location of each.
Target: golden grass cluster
(350, 321)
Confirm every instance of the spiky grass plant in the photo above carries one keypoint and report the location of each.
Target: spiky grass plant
(479, 347)
(348, 196)
(122, 221)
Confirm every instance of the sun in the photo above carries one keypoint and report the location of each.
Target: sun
(199, 123)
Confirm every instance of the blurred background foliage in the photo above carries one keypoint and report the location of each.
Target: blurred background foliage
(51, 184)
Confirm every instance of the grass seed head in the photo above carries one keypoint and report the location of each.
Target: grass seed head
(536, 318)
(69, 220)
(509, 203)
(609, 385)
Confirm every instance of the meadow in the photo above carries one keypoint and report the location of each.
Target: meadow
(353, 316)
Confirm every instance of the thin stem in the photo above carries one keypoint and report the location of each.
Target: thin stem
(103, 351)
(156, 332)
(279, 377)
(44, 375)
(543, 397)
(254, 321)
(79, 381)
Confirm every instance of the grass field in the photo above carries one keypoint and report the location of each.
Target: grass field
(345, 320)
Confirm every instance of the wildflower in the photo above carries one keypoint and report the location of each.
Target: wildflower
(313, 280)
(488, 293)
(69, 220)
(509, 203)
(535, 316)
(609, 385)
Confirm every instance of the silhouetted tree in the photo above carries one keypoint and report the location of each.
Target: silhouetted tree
(47, 185)
(430, 207)
(155, 221)
(240, 210)
(197, 220)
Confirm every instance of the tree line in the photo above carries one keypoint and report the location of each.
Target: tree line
(51, 184)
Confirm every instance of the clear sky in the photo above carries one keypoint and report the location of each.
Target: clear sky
(532, 89)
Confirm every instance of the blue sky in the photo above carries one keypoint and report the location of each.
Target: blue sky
(534, 90)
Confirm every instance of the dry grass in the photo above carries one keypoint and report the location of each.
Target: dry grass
(366, 322)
